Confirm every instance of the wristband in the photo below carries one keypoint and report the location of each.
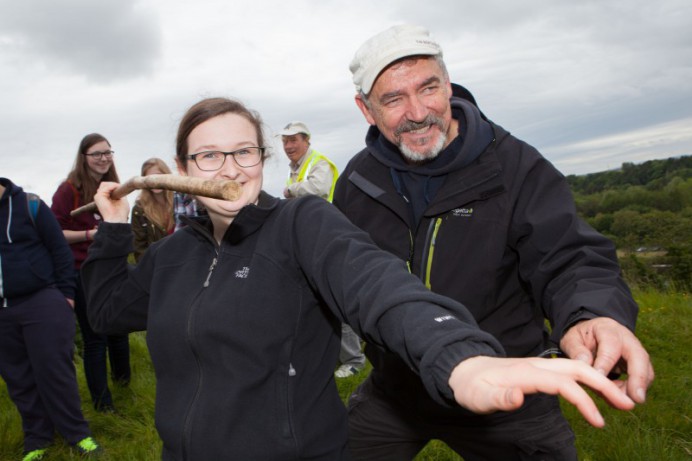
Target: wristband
(86, 235)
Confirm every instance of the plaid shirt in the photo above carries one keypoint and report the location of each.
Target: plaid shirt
(185, 205)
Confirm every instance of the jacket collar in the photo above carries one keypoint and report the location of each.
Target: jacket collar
(251, 218)
(248, 221)
(478, 181)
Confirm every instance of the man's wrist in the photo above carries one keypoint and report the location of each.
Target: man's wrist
(579, 316)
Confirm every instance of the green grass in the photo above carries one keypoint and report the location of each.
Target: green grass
(659, 430)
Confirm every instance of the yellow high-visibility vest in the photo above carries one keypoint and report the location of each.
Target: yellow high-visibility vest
(307, 165)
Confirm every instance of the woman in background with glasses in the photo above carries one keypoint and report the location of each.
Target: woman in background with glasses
(243, 311)
(152, 213)
(93, 164)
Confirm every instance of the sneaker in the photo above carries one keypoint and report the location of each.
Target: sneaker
(88, 447)
(344, 371)
(35, 455)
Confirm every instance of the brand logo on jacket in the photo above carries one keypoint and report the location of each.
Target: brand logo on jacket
(444, 318)
(242, 273)
(463, 212)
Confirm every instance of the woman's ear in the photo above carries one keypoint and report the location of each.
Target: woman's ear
(182, 171)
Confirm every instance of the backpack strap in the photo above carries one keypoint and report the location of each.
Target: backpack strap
(32, 202)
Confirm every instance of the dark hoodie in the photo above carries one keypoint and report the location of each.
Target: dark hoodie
(33, 255)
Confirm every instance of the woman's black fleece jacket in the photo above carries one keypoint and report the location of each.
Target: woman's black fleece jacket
(244, 336)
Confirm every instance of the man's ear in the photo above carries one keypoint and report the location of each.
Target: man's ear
(448, 84)
(365, 109)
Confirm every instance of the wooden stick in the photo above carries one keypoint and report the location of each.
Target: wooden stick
(212, 188)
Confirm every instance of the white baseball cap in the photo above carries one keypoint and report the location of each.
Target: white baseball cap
(295, 128)
(386, 47)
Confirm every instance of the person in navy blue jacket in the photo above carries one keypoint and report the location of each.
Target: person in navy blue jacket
(37, 326)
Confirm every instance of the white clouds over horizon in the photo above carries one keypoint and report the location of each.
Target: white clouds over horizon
(591, 84)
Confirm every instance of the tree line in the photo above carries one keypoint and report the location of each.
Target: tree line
(646, 209)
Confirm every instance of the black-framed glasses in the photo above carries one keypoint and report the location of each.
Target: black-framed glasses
(212, 160)
(97, 155)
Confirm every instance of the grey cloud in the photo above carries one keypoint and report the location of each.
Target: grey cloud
(105, 41)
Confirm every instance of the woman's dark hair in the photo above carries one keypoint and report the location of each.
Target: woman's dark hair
(207, 109)
(80, 177)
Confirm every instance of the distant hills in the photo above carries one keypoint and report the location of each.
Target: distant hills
(644, 206)
(652, 173)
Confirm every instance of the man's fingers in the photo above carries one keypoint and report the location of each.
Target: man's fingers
(608, 355)
(640, 372)
(617, 345)
(575, 344)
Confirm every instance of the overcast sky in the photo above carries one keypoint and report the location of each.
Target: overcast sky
(590, 83)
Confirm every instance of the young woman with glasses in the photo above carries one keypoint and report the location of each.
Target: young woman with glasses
(243, 311)
(93, 164)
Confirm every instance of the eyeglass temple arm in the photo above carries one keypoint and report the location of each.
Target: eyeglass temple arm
(212, 188)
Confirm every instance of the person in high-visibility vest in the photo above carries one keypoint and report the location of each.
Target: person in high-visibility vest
(312, 173)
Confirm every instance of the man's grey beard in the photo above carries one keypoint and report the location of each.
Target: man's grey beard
(421, 157)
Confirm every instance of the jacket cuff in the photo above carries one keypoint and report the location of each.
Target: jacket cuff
(116, 237)
(436, 380)
(113, 228)
(576, 317)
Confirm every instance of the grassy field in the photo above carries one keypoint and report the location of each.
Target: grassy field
(659, 430)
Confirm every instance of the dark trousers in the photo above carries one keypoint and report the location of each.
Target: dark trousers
(36, 352)
(381, 430)
(96, 348)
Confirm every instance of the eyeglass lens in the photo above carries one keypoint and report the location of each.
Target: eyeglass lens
(213, 160)
(105, 153)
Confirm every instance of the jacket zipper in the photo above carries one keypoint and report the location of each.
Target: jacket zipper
(288, 429)
(211, 269)
(409, 261)
(188, 419)
(430, 240)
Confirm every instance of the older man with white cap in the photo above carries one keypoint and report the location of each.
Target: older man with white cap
(481, 217)
(311, 173)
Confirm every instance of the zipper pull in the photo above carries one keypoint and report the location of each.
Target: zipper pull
(291, 370)
(211, 269)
